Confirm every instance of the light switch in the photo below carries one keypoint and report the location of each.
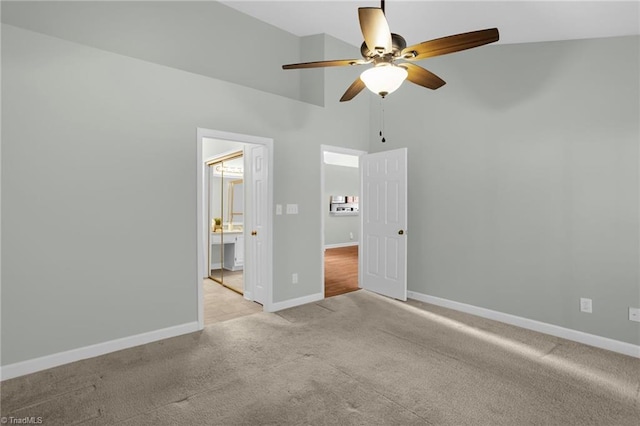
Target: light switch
(292, 209)
(278, 208)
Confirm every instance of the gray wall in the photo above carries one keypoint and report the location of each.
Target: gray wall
(99, 188)
(311, 80)
(523, 180)
(203, 37)
(340, 180)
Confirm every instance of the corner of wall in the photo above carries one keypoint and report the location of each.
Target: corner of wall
(312, 80)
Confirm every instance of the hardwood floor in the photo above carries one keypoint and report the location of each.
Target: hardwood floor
(340, 270)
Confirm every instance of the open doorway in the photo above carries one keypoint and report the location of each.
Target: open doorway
(234, 221)
(341, 224)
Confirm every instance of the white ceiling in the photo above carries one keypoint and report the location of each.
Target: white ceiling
(420, 20)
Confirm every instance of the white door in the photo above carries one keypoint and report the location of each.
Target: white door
(384, 223)
(256, 264)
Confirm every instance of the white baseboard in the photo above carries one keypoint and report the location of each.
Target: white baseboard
(278, 306)
(542, 327)
(49, 361)
(349, 244)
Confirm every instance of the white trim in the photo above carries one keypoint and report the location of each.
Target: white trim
(542, 327)
(49, 361)
(278, 306)
(339, 245)
(200, 188)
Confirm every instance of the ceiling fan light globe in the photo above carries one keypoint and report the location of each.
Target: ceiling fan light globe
(384, 79)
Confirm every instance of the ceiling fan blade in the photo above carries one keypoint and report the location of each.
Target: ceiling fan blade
(422, 77)
(318, 64)
(355, 88)
(450, 44)
(375, 29)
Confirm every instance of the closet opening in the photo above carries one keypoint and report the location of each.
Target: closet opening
(226, 220)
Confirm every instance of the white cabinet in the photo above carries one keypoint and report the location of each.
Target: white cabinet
(232, 244)
(234, 254)
(238, 259)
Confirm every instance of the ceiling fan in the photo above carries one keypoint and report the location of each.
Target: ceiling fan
(391, 58)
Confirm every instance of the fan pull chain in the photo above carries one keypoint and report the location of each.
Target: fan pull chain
(382, 121)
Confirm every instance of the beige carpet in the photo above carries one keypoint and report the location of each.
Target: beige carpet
(355, 359)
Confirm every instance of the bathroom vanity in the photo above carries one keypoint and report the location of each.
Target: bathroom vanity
(233, 244)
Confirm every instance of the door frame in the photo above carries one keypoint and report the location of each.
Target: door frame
(201, 134)
(337, 150)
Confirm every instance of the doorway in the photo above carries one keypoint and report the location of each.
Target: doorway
(341, 224)
(252, 231)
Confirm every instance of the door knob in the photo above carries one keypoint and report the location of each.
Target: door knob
(400, 232)
(254, 233)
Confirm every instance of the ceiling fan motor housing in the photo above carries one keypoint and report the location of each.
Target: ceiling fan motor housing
(397, 44)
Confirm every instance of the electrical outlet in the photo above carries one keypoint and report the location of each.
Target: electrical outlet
(278, 208)
(586, 305)
(292, 209)
(294, 278)
(634, 314)
(351, 235)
